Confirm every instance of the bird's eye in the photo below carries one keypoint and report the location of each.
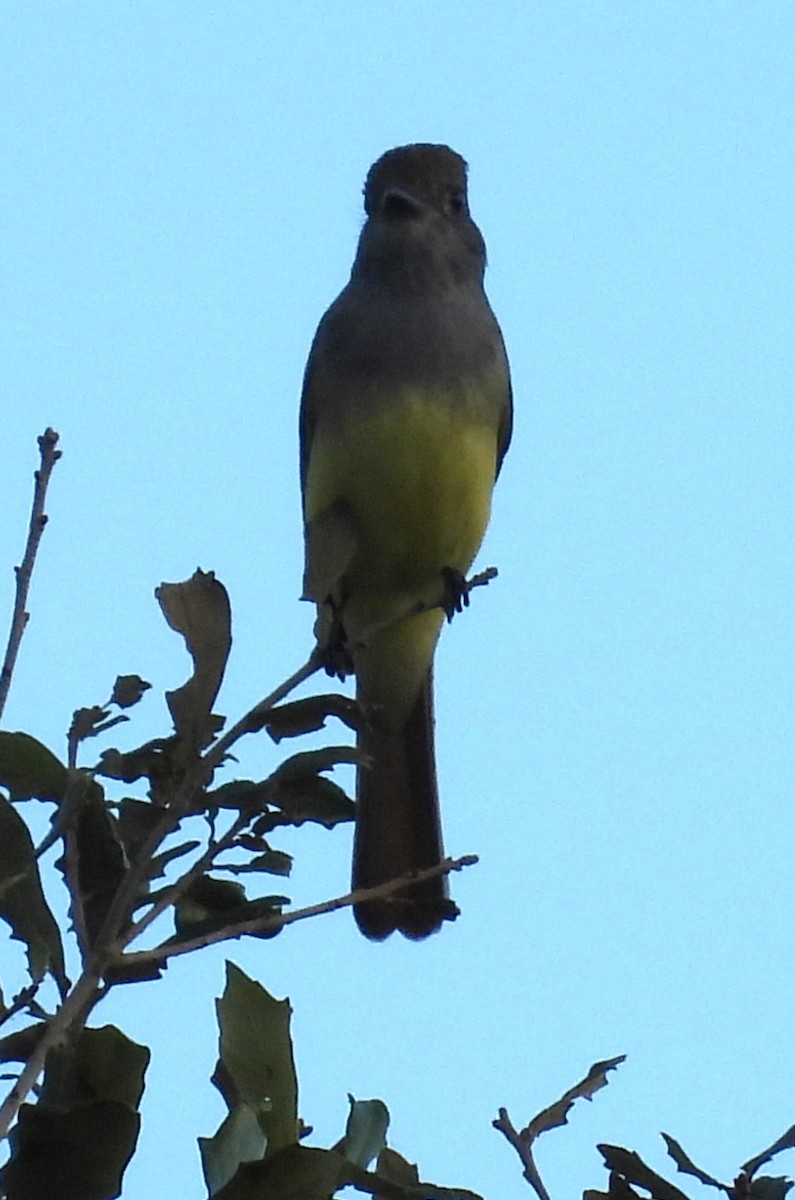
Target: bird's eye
(458, 202)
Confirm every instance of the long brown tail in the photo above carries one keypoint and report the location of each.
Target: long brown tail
(398, 826)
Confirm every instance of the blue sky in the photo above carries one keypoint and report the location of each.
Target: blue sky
(181, 200)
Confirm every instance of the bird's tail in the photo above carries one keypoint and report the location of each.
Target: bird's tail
(398, 825)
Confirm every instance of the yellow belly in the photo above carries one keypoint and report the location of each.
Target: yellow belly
(416, 477)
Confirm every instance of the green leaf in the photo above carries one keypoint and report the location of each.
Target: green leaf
(311, 798)
(199, 609)
(29, 770)
(88, 722)
(161, 861)
(785, 1142)
(136, 820)
(18, 1046)
(76, 1155)
(404, 1179)
(769, 1187)
(256, 1056)
(310, 715)
(631, 1167)
(365, 1132)
(557, 1114)
(396, 1168)
(239, 1139)
(22, 902)
(101, 865)
(274, 862)
(688, 1167)
(294, 1173)
(128, 690)
(265, 908)
(310, 762)
(102, 1064)
(76, 1142)
(240, 794)
(207, 897)
(151, 761)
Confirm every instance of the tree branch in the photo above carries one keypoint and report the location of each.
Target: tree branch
(274, 923)
(38, 519)
(523, 1148)
(170, 896)
(254, 718)
(76, 1006)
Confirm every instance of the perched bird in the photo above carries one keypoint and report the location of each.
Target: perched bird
(405, 419)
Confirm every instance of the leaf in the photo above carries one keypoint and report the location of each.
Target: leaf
(274, 862)
(146, 762)
(256, 1056)
(29, 770)
(785, 1142)
(136, 820)
(161, 861)
(84, 1129)
(557, 1114)
(22, 902)
(310, 715)
(76, 1155)
(199, 610)
(18, 1046)
(396, 1168)
(398, 1179)
(688, 1167)
(239, 1139)
(240, 794)
(631, 1167)
(769, 1187)
(294, 1173)
(101, 865)
(128, 690)
(88, 722)
(310, 762)
(207, 897)
(265, 911)
(310, 798)
(365, 1132)
(102, 1064)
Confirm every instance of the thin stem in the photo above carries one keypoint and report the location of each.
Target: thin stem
(169, 897)
(273, 923)
(111, 934)
(38, 519)
(253, 718)
(20, 1001)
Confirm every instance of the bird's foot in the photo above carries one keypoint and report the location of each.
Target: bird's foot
(456, 592)
(457, 588)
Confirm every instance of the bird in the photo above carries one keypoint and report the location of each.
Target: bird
(405, 418)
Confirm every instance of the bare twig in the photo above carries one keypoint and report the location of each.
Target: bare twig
(523, 1148)
(38, 519)
(254, 718)
(20, 1001)
(274, 923)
